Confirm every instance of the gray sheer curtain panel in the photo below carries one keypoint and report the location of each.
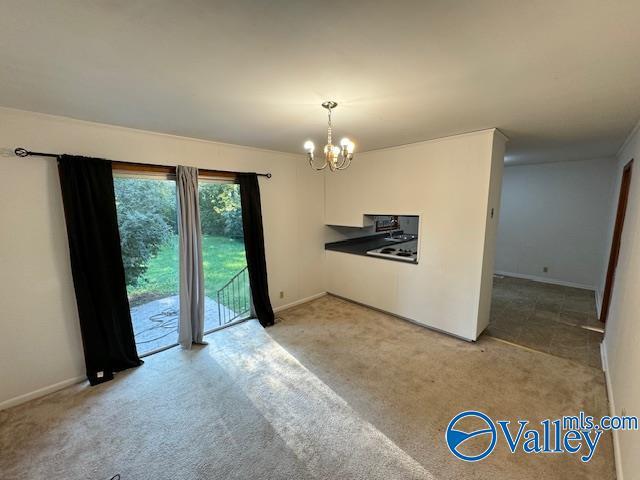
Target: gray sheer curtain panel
(191, 327)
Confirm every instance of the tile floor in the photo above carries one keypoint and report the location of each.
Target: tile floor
(547, 318)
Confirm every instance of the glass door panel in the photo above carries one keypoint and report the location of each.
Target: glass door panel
(228, 297)
(147, 220)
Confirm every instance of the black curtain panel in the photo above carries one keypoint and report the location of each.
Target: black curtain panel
(254, 247)
(96, 264)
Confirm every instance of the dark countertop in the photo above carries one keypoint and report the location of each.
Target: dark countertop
(361, 245)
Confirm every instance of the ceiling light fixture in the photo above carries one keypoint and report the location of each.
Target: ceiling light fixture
(337, 157)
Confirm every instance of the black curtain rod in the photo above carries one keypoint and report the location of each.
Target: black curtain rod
(23, 152)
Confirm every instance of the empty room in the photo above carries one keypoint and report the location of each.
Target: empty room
(319, 240)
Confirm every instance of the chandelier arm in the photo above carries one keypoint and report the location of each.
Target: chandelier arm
(344, 165)
(316, 168)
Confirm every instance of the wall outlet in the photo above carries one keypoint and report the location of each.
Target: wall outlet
(545, 269)
(281, 294)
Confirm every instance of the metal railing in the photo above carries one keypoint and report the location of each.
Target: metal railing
(234, 298)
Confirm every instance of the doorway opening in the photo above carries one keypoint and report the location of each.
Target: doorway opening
(226, 279)
(147, 220)
(623, 200)
(550, 253)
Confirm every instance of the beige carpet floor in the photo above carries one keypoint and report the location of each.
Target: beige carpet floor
(333, 391)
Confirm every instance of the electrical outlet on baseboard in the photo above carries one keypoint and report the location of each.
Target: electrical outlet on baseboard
(545, 269)
(281, 294)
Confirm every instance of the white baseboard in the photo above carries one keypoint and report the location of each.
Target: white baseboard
(41, 392)
(612, 412)
(605, 367)
(406, 319)
(552, 281)
(299, 302)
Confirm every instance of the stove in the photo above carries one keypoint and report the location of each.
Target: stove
(405, 251)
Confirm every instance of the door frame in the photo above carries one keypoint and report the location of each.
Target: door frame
(623, 200)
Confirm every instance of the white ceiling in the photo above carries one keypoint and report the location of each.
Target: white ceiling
(560, 78)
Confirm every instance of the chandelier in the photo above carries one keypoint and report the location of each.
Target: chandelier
(337, 157)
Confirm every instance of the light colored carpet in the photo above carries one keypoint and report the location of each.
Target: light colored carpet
(410, 382)
(333, 391)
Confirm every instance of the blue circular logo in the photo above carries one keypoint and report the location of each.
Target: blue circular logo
(455, 438)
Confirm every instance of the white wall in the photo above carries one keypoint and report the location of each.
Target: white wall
(40, 343)
(447, 182)
(556, 215)
(622, 335)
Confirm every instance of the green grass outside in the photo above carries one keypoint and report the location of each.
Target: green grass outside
(222, 258)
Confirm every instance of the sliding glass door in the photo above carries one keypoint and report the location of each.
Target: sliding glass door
(147, 220)
(226, 283)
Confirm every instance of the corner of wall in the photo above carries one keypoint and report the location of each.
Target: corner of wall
(619, 349)
(494, 190)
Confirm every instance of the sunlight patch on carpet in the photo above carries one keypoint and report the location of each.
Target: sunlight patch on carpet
(320, 428)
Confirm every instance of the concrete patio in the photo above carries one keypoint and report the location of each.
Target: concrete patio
(155, 324)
